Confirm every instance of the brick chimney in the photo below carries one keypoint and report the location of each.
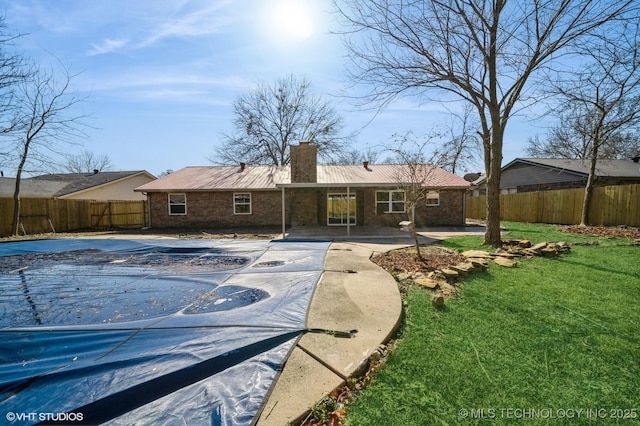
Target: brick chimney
(304, 162)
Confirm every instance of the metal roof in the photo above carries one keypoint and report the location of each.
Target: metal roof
(386, 175)
(207, 178)
(210, 178)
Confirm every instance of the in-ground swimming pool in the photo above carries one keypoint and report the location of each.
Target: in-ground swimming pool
(149, 331)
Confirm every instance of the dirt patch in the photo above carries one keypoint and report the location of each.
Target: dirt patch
(406, 260)
(602, 231)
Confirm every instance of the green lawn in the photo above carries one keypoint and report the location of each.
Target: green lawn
(538, 342)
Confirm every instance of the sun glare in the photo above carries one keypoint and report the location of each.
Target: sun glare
(293, 18)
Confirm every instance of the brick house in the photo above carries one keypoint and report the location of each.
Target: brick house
(102, 186)
(544, 174)
(303, 194)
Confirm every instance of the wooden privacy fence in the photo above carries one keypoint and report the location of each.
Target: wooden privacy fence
(39, 215)
(610, 206)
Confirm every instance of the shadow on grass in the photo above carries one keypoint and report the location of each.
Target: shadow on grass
(601, 268)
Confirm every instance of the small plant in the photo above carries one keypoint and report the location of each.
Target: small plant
(322, 410)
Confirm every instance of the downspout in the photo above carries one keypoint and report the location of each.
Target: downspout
(464, 208)
(348, 212)
(283, 215)
(148, 209)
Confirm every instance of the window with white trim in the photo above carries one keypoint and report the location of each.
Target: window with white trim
(242, 203)
(433, 198)
(390, 202)
(177, 204)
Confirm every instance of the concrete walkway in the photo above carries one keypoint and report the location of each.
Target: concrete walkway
(353, 293)
(367, 300)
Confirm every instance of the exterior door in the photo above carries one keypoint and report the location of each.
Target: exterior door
(340, 210)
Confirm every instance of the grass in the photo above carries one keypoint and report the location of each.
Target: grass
(540, 341)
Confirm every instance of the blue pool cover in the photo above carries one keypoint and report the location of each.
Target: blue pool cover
(149, 331)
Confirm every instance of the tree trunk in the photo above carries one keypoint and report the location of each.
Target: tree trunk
(588, 192)
(492, 235)
(412, 228)
(16, 206)
(16, 193)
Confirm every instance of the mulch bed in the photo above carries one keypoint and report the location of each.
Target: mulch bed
(602, 231)
(406, 260)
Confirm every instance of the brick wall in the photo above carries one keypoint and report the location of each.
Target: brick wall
(449, 212)
(600, 181)
(304, 163)
(554, 185)
(304, 207)
(215, 210)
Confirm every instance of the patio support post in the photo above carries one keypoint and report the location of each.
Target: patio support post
(348, 212)
(283, 215)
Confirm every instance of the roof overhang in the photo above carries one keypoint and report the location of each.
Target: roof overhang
(180, 190)
(360, 185)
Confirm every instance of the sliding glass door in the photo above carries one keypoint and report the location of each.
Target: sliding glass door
(341, 210)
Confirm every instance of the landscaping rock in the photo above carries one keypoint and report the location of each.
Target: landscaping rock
(480, 264)
(477, 254)
(503, 261)
(402, 276)
(517, 243)
(538, 246)
(426, 282)
(508, 254)
(464, 268)
(449, 273)
(447, 290)
(438, 302)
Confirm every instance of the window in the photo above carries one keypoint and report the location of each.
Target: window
(433, 198)
(242, 203)
(390, 202)
(177, 204)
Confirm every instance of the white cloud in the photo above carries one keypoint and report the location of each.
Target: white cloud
(107, 45)
(207, 21)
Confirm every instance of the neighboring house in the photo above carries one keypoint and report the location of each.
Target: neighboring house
(543, 174)
(101, 186)
(304, 194)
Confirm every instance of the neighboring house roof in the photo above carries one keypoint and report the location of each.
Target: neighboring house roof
(30, 188)
(579, 168)
(62, 185)
(211, 178)
(604, 168)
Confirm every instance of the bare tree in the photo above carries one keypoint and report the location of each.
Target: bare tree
(603, 96)
(485, 53)
(571, 140)
(12, 72)
(45, 122)
(356, 156)
(87, 162)
(461, 148)
(271, 118)
(413, 179)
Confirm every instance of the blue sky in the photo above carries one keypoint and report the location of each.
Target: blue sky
(161, 75)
